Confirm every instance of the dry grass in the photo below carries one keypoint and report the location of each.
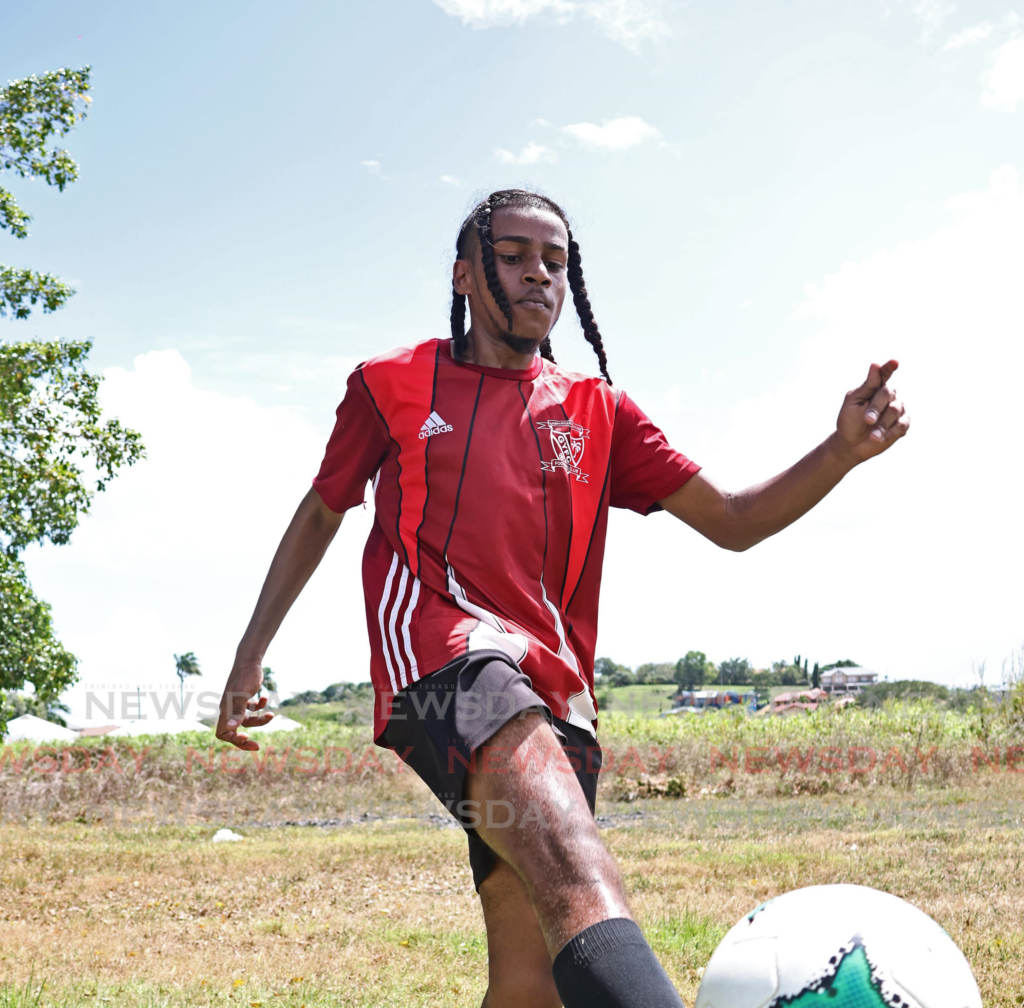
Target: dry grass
(110, 891)
(330, 771)
(384, 914)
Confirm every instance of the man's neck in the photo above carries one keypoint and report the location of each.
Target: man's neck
(492, 351)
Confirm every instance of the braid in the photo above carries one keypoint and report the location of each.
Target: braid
(480, 218)
(483, 230)
(582, 302)
(460, 345)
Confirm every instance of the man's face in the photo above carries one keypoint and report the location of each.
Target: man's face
(530, 255)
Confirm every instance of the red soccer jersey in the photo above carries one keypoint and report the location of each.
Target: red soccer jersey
(491, 490)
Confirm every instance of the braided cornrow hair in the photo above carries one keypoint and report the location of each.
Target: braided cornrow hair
(480, 220)
(483, 231)
(581, 300)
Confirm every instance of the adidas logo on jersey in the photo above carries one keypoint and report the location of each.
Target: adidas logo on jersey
(434, 425)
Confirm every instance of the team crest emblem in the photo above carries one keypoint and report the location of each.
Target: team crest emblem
(568, 441)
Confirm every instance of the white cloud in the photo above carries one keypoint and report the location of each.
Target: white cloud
(452, 181)
(969, 36)
(532, 153)
(499, 13)
(373, 167)
(912, 564)
(932, 16)
(615, 134)
(1004, 79)
(172, 557)
(629, 22)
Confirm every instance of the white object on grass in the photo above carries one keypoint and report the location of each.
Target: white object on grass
(29, 728)
(846, 946)
(225, 834)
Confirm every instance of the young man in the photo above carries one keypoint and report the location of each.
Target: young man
(493, 470)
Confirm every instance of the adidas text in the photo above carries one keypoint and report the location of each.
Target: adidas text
(434, 425)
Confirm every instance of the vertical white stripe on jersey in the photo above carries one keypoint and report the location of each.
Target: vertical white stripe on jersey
(380, 618)
(514, 645)
(459, 594)
(581, 707)
(564, 651)
(414, 672)
(399, 599)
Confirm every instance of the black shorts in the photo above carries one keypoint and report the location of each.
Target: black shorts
(439, 722)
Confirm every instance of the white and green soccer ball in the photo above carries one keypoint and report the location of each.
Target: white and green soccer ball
(837, 946)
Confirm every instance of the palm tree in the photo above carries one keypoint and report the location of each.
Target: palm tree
(187, 665)
(269, 684)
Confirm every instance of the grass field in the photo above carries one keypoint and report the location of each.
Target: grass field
(375, 906)
(385, 915)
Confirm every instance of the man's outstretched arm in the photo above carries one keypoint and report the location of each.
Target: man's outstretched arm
(870, 421)
(302, 547)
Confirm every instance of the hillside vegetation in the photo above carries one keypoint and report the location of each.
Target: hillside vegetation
(328, 771)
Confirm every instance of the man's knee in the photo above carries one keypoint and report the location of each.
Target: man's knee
(560, 855)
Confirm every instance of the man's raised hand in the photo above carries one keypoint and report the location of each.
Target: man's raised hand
(237, 708)
(872, 418)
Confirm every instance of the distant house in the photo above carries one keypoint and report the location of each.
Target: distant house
(805, 701)
(98, 730)
(843, 681)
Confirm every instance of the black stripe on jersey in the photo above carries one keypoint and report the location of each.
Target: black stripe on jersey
(597, 520)
(426, 459)
(398, 460)
(543, 477)
(465, 459)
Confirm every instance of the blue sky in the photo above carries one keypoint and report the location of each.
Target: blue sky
(767, 195)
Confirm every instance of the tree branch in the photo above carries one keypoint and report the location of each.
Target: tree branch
(12, 217)
(21, 288)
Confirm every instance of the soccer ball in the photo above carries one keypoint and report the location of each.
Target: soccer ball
(837, 946)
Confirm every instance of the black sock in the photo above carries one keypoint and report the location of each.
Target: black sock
(610, 965)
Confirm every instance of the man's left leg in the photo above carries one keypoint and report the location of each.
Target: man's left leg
(534, 815)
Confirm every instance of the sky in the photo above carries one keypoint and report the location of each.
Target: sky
(768, 196)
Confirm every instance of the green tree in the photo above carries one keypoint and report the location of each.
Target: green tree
(28, 703)
(609, 673)
(792, 673)
(816, 677)
(186, 665)
(903, 689)
(306, 697)
(34, 111)
(29, 652)
(269, 682)
(734, 672)
(55, 452)
(655, 673)
(763, 679)
(690, 670)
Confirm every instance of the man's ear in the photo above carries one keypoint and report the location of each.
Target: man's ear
(462, 276)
